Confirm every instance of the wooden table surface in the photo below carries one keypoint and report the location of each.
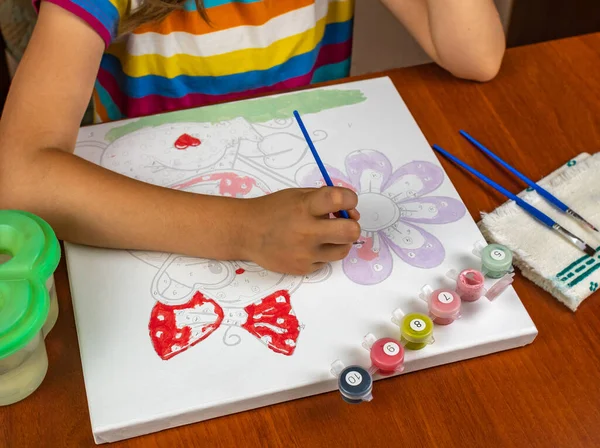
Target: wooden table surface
(542, 110)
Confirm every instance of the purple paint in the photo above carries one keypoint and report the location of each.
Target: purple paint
(391, 203)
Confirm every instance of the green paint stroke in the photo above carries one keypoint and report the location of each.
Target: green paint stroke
(258, 110)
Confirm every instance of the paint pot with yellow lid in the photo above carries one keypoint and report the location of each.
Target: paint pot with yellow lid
(416, 329)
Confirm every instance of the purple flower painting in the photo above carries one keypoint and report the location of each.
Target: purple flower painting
(391, 204)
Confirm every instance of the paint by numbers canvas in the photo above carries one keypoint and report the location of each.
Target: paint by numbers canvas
(168, 340)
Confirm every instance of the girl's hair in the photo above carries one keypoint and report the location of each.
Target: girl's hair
(155, 11)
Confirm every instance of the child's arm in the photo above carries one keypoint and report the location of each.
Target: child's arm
(463, 36)
(90, 205)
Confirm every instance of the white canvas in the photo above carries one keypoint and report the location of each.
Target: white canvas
(139, 379)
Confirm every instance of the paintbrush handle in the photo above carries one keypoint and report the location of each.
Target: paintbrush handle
(313, 150)
(540, 190)
(540, 216)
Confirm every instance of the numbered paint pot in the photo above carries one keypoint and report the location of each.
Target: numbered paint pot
(355, 383)
(416, 329)
(496, 259)
(444, 304)
(470, 284)
(387, 355)
(29, 262)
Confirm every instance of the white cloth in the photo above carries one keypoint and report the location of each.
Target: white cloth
(542, 255)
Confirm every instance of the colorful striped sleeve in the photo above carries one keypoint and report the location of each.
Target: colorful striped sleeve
(103, 16)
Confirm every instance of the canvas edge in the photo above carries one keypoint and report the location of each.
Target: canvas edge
(68, 248)
(115, 434)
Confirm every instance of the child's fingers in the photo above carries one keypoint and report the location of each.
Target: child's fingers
(354, 214)
(338, 231)
(327, 200)
(333, 252)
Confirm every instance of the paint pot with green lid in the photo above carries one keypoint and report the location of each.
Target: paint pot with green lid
(30, 256)
(416, 329)
(496, 259)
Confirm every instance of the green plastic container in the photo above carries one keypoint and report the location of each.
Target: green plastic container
(29, 255)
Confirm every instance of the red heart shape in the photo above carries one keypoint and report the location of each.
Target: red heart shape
(185, 141)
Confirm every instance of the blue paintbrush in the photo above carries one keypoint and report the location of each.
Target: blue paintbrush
(540, 216)
(541, 191)
(315, 154)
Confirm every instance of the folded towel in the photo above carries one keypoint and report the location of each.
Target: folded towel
(542, 255)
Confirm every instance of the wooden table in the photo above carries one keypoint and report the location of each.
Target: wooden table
(542, 110)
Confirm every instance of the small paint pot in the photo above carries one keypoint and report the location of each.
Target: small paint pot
(355, 383)
(444, 304)
(470, 284)
(387, 355)
(416, 329)
(496, 259)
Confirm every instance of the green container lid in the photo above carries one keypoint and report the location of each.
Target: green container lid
(496, 260)
(24, 299)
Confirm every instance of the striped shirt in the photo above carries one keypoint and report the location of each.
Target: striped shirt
(249, 47)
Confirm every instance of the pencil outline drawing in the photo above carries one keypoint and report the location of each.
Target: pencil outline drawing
(253, 159)
(391, 202)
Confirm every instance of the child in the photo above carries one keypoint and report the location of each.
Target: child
(139, 58)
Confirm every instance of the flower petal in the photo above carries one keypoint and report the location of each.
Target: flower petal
(415, 246)
(310, 176)
(365, 266)
(369, 170)
(413, 180)
(432, 210)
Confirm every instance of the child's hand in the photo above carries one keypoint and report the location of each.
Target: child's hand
(290, 231)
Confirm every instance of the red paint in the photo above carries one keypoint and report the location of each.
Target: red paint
(387, 362)
(271, 320)
(366, 252)
(230, 184)
(240, 271)
(165, 334)
(185, 141)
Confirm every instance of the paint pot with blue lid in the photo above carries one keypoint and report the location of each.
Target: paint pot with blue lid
(496, 259)
(354, 382)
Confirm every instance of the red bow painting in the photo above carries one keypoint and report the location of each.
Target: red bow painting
(174, 329)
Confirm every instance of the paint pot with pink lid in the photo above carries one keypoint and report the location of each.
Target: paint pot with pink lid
(470, 284)
(387, 355)
(444, 304)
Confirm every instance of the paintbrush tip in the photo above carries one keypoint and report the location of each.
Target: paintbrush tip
(590, 250)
